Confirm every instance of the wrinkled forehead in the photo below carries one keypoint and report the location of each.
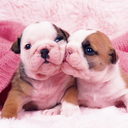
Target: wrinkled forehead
(81, 35)
(38, 31)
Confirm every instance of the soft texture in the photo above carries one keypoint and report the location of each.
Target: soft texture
(108, 16)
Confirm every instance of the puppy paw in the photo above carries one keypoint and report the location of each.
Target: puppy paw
(53, 111)
(50, 112)
(69, 109)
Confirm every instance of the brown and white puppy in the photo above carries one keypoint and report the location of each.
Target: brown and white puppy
(91, 58)
(39, 83)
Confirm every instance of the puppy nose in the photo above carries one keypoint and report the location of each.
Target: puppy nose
(44, 53)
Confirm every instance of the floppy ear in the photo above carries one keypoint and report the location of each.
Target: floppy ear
(113, 56)
(65, 33)
(16, 45)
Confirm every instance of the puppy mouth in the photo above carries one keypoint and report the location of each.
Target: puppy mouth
(46, 62)
(64, 60)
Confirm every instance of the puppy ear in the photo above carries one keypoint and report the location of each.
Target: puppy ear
(113, 56)
(65, 33)
(16, 45)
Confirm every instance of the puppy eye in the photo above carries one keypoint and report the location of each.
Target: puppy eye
(89, 51)
(59, 38)
(27, 46)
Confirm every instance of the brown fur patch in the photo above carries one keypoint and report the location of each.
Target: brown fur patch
(61, 32)
(16, 45)
(18, 96)
(71, 95)
(101, 44)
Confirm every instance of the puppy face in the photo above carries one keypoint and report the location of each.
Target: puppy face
(41, 48)
(88, 51)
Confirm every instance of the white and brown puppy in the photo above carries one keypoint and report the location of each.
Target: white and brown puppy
(39, 83)
(91, 58)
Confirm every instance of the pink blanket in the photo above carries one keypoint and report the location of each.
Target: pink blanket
(110, 17)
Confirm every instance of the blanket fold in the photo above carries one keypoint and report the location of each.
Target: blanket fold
(9, 31)
(121, 45)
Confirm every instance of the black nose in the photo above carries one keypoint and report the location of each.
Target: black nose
(44, 53)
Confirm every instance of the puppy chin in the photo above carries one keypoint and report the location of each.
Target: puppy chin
(70, 70)
(49, 69)
(43, 65)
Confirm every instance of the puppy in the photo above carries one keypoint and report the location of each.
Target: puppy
(39, 83)
(91, 58)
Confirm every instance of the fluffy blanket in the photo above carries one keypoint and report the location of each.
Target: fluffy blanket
(108, 16)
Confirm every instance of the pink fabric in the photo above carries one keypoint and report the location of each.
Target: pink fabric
(121, 45)
(9, 31)
(108, 16)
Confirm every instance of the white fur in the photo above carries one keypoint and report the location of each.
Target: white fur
(53, 111)
(36, 33)
(80, 35)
